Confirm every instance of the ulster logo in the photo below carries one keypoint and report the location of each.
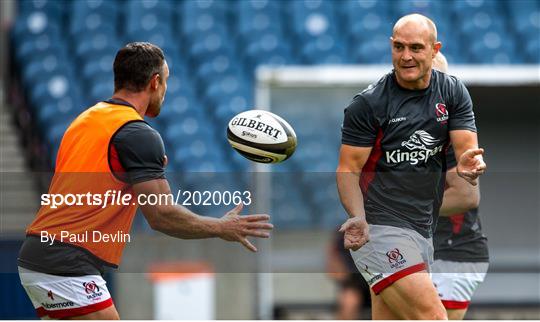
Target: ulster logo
(90, 287)
(421, 145)
(441, 112)
(395, 258)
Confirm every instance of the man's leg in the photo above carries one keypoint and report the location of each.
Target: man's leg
(109, 313)
(414, 297)
(456, 314)
(379, 309)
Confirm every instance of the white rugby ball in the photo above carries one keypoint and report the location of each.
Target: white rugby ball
(261, 136)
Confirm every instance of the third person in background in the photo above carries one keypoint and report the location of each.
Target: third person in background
(461, 250)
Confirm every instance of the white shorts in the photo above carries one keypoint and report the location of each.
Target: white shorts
(61, 297)
(391, 254)
(457, 281)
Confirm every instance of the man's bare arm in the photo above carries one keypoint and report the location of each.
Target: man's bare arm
(180, 222)
(470, 164)
(460, 196)
(351, 161)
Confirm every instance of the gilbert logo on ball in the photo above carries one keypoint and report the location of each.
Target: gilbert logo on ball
(261, 136)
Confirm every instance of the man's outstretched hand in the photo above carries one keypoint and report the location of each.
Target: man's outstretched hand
(356, 233)
(471, 165)
(235, 227)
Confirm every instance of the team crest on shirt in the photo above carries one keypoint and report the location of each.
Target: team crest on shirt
(441, 112)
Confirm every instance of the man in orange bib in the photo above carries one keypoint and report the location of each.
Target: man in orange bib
(107, 155)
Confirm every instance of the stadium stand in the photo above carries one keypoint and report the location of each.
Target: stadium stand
(65, 50)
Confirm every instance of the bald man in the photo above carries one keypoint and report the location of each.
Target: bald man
(461, 250)
(391, 162)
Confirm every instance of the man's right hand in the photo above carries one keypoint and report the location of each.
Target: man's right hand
(234, 227)
(356, 232)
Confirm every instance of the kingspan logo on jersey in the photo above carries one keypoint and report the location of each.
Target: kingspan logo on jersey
(422, 146)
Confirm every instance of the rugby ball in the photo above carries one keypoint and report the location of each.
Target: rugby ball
(261, 136)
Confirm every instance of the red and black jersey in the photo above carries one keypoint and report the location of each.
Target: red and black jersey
(459, 238)
(409, 133)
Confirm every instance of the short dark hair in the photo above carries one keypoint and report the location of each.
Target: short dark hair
(135, 64)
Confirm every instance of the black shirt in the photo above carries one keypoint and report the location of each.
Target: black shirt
(459, 238)
(136, 154)
(409, 133)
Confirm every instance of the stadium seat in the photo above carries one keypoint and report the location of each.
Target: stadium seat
(33, 24)
(41, 68)
(30, 48)
(374, 51)
(87, 22)
(202, 16)
(93, 46)
(53, 9)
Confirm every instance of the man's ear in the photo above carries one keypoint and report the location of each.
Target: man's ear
(155, 81)
(436, 48)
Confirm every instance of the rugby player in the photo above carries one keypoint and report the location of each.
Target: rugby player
(394, 136)
(461, 251)
(109, 147)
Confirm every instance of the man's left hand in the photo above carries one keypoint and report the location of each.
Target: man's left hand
(471, 165)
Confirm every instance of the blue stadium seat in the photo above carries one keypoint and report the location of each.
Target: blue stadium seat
(259, 16)
(87, 22)
(109, 8)
(430, 8)
(64, 109)
(54, 9)
(36, 47)
(364, 26)
(268, 51)
(33, 24)
(163, 8)
(178, 107)
(532, 51)
(231, 106)
(325, 50)
(228, 85)
(41, 68)
(216, 68)
(98, 68)
(100, 91)
(202, 16)
(374, 51)
(355, 7)
(492, 47)
(96, 45)
(54, 87)
(54, 134)
(474, 5)
(208, 46)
